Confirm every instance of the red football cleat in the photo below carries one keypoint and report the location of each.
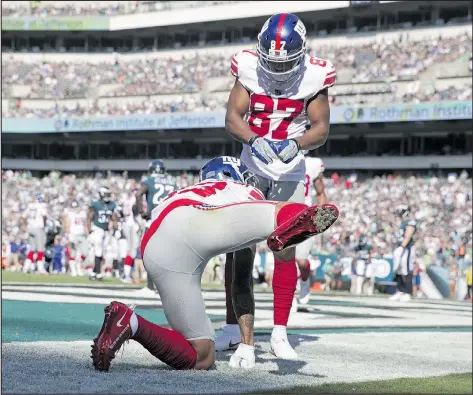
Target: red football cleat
(309, 222)
(116, 329)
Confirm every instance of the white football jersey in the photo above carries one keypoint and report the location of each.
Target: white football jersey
(212, 193)
(278, 111)
(36, 213)
(128, 210)
(313, 167)
(77, 222)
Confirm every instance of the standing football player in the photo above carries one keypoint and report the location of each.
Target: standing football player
(52, 230)
(75, 226)
(278, 90)
(404, 256)
(131, 229)
(36, 213)
(228, 213)
(362, 259)
(101, 217)
(314, 186)
(157, 186)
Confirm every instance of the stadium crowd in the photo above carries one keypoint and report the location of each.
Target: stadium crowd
(144, 107)
(442, 207)
(96, 8)
(376, 62)
(188, 103)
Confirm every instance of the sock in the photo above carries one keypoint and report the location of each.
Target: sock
(128, 261)
(133, 324)
(279, 332)
(40, 265)
(127, 266)
(28, 261)
(127, 271)
(72, 266)
(98, 261)
(305, 271)
(167, 345)
(289, 211)
(284, 286)
(231, 317)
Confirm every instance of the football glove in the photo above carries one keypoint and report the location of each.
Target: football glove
(287, 150)
(263, 149)
(244, 357)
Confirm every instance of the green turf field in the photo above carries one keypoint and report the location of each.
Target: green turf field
(450, 384)
(58, 279)
(66, 279)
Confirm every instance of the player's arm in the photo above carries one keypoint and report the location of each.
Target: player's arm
(113, 219)
(139, 197)
(410, 229)
(238, 104)
(318, 111)
(65, 221)
(320, 190)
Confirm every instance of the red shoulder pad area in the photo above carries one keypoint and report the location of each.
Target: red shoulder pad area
(234, 66)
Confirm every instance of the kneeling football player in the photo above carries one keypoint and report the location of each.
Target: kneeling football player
(222, 213)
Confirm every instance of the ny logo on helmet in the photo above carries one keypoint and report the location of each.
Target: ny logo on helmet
(300, 28)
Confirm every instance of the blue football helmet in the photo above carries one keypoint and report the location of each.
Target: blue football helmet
(156, 167)
(281, 46)
(227, 167)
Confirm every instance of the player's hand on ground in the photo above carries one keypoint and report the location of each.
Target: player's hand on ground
(287, 150)
(243, 358)
(263, 149)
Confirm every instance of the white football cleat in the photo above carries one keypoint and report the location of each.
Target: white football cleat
(282, 349)
(396, 296)
(405, 298)
(304, 294)
(229, 339)
(244, 357)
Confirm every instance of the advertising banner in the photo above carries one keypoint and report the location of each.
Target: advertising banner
(53, 23)
(191, 120)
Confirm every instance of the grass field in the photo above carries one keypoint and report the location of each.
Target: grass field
(450, 384)
(66, 279)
